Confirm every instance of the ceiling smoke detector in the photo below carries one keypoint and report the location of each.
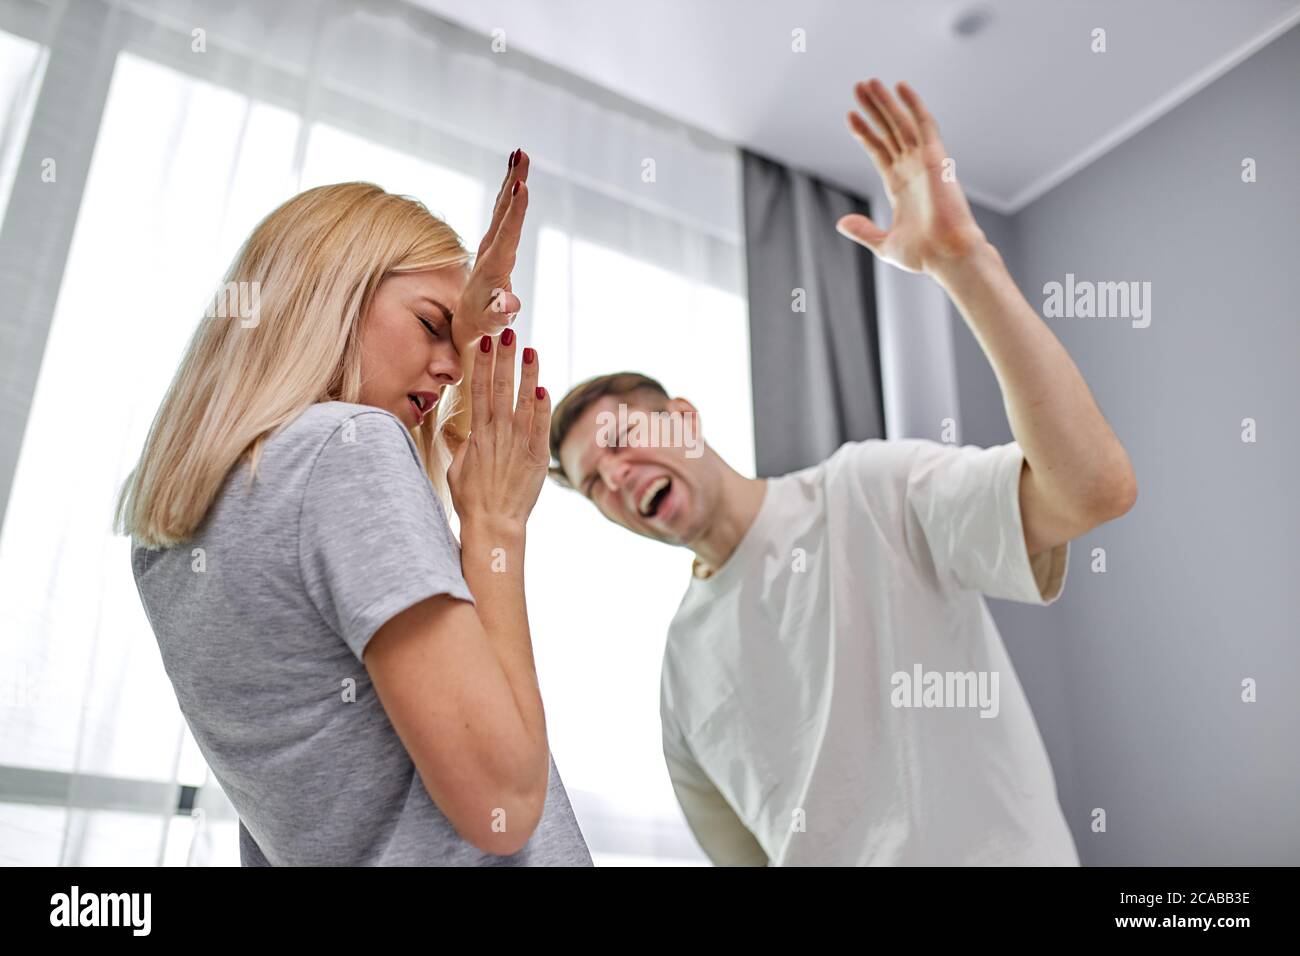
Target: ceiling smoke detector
(972, 21)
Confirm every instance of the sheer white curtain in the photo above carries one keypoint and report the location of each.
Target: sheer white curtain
(141, 143)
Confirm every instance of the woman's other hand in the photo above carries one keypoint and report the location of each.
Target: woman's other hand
(497, 474)
(487, 304)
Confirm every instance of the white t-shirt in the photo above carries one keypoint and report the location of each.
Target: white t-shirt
(790, 729)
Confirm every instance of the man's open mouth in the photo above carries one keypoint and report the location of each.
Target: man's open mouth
(654, 496)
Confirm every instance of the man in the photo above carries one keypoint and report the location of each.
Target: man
(834, 689)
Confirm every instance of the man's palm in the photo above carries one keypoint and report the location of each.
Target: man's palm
(932, 222)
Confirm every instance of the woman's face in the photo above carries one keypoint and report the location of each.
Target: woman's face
(407, 356)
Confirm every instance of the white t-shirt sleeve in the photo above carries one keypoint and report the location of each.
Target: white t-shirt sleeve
(725, 840)
(960, 514)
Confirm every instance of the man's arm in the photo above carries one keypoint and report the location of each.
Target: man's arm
(1077, 475)
(723, 837)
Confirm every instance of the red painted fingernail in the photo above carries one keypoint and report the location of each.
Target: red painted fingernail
(541, 393)
(485, 344)
(514, 159)
(515, 188)
(508, 337)
(529, 355)
(510, 163)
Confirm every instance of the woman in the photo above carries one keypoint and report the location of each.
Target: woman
(362, 686)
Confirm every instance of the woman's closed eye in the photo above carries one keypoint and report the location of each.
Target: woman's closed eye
(428, 325)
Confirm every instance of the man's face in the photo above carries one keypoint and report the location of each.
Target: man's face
(662, 489)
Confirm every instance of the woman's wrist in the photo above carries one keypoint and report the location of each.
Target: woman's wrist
(492, 561)
(489, 528)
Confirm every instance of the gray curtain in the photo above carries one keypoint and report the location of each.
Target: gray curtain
(816, 372)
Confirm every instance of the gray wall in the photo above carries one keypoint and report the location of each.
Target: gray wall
(1135, 674)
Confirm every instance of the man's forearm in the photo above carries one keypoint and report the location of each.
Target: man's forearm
(1065, 439)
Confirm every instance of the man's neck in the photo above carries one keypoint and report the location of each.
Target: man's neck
(739, 504)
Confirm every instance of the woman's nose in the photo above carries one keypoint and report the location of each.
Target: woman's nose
(445, 366)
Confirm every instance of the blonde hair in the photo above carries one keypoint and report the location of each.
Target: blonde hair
(316, 262)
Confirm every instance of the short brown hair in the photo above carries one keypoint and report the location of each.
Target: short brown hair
(582, 396)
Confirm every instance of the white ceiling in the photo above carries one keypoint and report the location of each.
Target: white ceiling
(1022, 104)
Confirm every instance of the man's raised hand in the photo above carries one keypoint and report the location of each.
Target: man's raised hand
(932, 222)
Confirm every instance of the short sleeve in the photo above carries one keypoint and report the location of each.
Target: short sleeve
(965, 501)
(373, 539)
(726, 841)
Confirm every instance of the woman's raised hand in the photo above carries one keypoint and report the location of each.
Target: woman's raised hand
(487, 304)
(497, 474)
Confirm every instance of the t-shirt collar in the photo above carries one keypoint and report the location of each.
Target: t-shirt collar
(750, 543)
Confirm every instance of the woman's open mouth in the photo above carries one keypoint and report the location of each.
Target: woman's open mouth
(421, 404)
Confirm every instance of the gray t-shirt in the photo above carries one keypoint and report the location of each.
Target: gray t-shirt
(262, 618)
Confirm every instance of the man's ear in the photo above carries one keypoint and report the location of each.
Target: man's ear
(682, 405)
(690, 415)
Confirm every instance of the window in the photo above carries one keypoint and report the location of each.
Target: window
(182, 170)
(152, 240)
(22, 64)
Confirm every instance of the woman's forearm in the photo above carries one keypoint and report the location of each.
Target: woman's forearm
(492, 561)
